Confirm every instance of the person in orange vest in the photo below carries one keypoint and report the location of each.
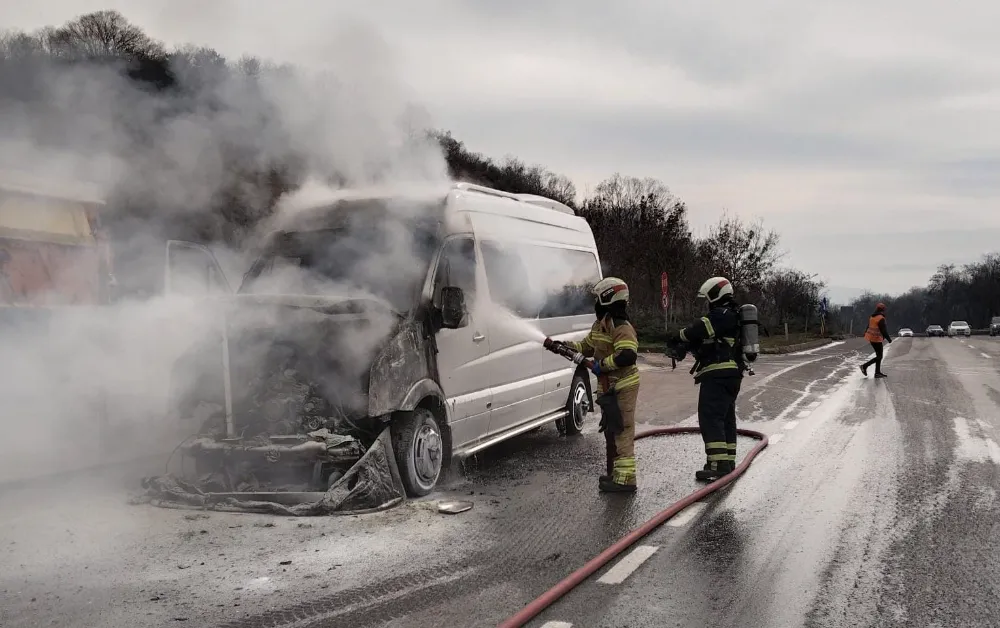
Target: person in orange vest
(876, 333)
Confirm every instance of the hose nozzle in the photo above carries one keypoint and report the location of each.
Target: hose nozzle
(561, 348)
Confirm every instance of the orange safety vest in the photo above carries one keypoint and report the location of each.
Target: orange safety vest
(874, 334)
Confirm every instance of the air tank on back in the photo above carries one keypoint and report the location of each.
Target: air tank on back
(749, 331)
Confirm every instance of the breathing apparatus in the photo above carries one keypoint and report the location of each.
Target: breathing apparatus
(718, 291)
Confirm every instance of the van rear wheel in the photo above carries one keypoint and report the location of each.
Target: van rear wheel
(419, 448)
(577, 406)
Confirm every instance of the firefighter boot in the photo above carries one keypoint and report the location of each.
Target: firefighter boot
(714, 470)
(622, 478)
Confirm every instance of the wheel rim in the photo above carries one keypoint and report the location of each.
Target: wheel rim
(427, 455)
(579, 411)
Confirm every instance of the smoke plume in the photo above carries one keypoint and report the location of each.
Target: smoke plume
(211, 156)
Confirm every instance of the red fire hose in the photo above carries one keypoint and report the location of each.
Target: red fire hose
(567, 584)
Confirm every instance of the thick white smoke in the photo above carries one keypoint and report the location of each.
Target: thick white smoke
(83, 385)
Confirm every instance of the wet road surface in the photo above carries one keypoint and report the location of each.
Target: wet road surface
(874, 505)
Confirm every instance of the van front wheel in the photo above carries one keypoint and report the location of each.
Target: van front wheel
(577, 406)
(419, 448)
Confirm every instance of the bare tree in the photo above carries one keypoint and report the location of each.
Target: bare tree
(641, 230)
(744, 253)
(250, 66)
(560, 187)
(790, 294)
(102, 34)
(15, 45)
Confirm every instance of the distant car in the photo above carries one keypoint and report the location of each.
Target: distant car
(959, 328)
(906, 332)
(995, 326)
(935, 330)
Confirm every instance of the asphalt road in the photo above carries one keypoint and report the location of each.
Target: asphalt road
(874, 505)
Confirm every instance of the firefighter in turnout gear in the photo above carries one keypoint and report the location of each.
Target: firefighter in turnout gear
(614, 346)
(715, 341)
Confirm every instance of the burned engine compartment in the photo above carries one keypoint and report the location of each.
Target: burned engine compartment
(289, 430)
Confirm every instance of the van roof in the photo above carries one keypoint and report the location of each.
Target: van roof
(311, 208)
(531, 199)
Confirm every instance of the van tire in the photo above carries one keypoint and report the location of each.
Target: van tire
(418, 444)
(577, 406)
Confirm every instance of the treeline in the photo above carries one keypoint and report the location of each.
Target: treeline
(209, 145)
(642, 230)
(968, 293)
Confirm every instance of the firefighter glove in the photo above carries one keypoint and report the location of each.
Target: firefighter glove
(596, 368)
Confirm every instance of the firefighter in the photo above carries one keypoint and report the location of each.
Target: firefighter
(715, 341)
(613, 345)
(877, 332)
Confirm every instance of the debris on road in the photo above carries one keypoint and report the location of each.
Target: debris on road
(453, 507)
(370, 484)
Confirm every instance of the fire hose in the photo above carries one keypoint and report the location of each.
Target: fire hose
(571, 581)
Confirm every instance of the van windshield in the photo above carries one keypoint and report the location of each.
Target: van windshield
(384, 259)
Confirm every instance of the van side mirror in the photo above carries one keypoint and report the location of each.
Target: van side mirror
(452, 307)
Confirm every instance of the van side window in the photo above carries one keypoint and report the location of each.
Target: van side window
(539, 281)
(457, 269)
(508, 279)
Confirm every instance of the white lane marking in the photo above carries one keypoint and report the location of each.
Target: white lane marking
(557, 624)
(814, 404)
(775, 439)
(692, 420)
(685, 516)
(829, 345)
(971, 347)
(804, 414)
(791, 425)
(625, 567)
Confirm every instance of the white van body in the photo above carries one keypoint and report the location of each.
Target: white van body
(487, 378)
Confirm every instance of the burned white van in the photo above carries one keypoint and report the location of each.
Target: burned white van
(413, 321)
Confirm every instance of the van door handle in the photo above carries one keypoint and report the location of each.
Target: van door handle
(478, 337)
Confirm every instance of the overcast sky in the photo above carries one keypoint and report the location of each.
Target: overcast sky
(866, 135)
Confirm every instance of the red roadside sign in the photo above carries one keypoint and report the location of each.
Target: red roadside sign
(664, 293)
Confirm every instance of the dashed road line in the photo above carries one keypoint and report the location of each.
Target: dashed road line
(624, 568)
(774, 439)
(791, 425)
(971, 347)
(685, 516)
(804, 414)
(985, 355)
(557, 624)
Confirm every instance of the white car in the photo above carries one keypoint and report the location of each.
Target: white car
(906, 332)
(959, 328)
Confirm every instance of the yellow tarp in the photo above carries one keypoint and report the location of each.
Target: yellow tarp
(44, 219)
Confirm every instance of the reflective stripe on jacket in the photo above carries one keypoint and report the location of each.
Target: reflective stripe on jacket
(604, 347)
(713, 341)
